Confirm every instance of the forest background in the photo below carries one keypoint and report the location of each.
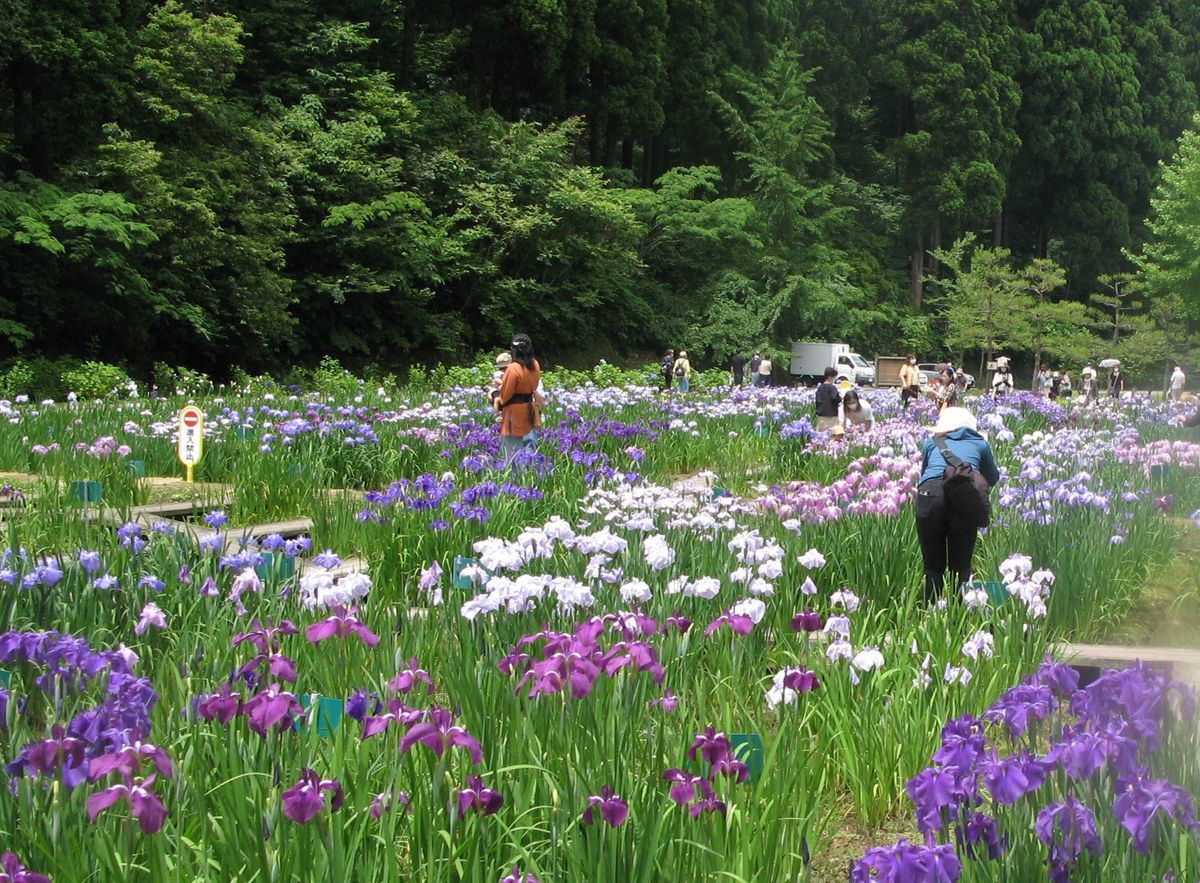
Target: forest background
(264, 183)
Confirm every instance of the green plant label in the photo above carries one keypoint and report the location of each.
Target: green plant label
(328, 714)
(748, 748)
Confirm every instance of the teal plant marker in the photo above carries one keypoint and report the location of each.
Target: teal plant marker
(457, 579)
(138, 468)
(275, 564)
(328, 714)
(762, 431)
(748, 748)
(997, 591)
(1160, 470)
(87, 491)
(243, 432)
(297, 471)
(719, 492)
(5, 678)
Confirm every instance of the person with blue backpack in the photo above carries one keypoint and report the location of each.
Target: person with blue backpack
(957, 469)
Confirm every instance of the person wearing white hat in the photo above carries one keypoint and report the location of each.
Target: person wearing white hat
(1178, 379)
(1090, 388)
(947, 539)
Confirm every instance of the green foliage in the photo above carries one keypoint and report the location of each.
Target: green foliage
(183, 381)
(330, 379)
(17, 379)
(96, 380)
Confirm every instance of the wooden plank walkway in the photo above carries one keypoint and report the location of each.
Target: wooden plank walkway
(1185, 663)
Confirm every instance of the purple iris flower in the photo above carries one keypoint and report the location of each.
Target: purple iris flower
(1143, 799)
(145, 806)
(89, 561)
(216, 518)
(152, 582)
(265, 635)
(128, 760)
(439, 733)
(208, 589)
(1067, 828)
(980, 830)
(106, 582)
(342, 624)
(407, 679)
(152, 615)
(909, 863)
(476, 796)
(327, 559)
(936, 793)
(738, 622)
(304, 800)
(59, 752)
(613, 809)
(1011, 778)
(431, 577)
(801, 680)
(710, 745)
(271, 708)
(185, 575)
(12, 871)
(358, 705)
(807, 621)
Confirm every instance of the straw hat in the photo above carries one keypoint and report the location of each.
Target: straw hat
(503, 359)
(954, 418)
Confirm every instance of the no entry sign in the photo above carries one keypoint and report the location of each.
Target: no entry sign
(191, 437)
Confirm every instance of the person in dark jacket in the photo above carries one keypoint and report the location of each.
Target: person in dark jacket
(738, 367)
(828, 399)
(945, 539)
(755, 361)
(667, 369)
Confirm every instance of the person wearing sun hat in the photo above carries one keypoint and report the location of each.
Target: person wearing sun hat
(502, 362)
(683, 371)
(946, 540)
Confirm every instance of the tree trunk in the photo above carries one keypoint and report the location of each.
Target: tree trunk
(998, 228)
(918, 269)
(627, 154)
(408, 42)
(935, 245)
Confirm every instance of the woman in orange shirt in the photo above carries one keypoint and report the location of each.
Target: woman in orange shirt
(520, 410)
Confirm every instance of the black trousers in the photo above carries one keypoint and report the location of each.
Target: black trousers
(945, 540)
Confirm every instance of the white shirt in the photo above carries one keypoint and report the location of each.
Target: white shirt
(857, 418)
(1177, 379)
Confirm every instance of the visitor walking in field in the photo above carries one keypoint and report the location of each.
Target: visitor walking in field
(737, 366)
(755, 361)
(520, 414)
(1178, 379)
(667, 369)
(1090, 386)
(764, 371)
(1043, 383)
(683, 371)
(1002, 382)
(1116, 383)
(910, 381)
(828, 399)
(946, 533)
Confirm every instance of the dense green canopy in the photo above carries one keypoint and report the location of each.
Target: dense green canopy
(214, 183)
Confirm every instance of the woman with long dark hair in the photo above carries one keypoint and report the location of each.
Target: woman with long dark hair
(520, 414)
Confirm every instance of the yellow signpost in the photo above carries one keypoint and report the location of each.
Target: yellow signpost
(191, 437)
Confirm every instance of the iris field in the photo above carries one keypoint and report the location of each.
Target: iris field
(581, 667)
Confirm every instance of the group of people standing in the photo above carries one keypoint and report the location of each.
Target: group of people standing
(676, 368)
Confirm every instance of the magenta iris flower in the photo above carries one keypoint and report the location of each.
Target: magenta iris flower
(272, 708)
(684, 785)
(342, 624)
(516, 876)
(127, 760)
(222, 706)
(612, 808)
(668, 702)
(12, 871)
(304, 800)
(738, 622)
(266, 636)
(440, 733)
(475, 796)
(710, 745)
(677, 621)
(382, 803)
(807, 621)
(398, 713)
(407, 679)
(145, 806)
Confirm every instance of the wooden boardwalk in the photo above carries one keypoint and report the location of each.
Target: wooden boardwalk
(1185, 663)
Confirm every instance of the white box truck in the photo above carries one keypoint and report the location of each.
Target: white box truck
(809, 361)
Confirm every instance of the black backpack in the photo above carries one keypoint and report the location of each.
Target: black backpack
(965, 489)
